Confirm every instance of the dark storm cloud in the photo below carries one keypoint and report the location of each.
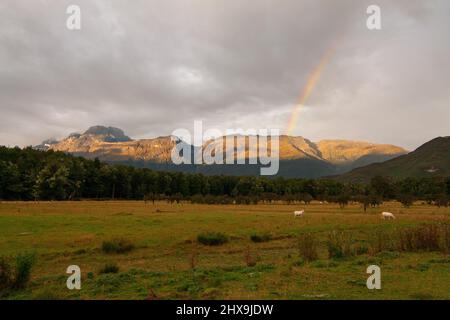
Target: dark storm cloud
(152, 66)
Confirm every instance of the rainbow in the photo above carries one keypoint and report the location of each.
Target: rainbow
(308, 88)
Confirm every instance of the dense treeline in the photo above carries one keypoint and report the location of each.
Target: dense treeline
(28, 174)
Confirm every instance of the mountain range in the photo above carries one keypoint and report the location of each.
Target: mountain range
(429, 160)
(299, 157)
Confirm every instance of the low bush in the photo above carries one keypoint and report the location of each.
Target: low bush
(250, 260)
(299, 262)
(442, 201)
(24, 264)
(117, 245)
(361, 249)
(18, 275)
(406, 200)
(193, 258)
(381, 240)
(6, 275)
(307, 245)
(339, 245)
(263, 237)
(109, 268)
(212, 238)
(427, 237)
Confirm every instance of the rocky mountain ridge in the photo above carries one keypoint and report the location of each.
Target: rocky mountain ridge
(112, 145)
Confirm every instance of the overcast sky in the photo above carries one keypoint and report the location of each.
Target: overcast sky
(150, 67)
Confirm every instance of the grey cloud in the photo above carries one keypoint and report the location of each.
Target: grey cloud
(150, 67)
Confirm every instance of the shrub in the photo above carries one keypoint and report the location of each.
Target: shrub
(361, 249)
(263, 237)
(423, 267)
(442, 201)
(80, 251)
(343, 200)
(250, 261)
(406, 200)
(6, 276)
(109, 268)
(339, 245)
(193, 258)
(425, 237)
(445, 238)
(299, 262)
(307, 246)
(117, 245)
(24, 263)
(428, 237)
(212, 238)
(381, 240)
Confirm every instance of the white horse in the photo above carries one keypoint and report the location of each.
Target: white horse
(387, 215)
(299, 213)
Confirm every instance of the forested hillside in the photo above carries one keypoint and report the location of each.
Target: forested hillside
(28, 174)
(432, 159)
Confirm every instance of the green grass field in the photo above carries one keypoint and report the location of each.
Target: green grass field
(169, 262)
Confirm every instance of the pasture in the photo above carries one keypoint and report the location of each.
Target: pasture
(259, 260)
